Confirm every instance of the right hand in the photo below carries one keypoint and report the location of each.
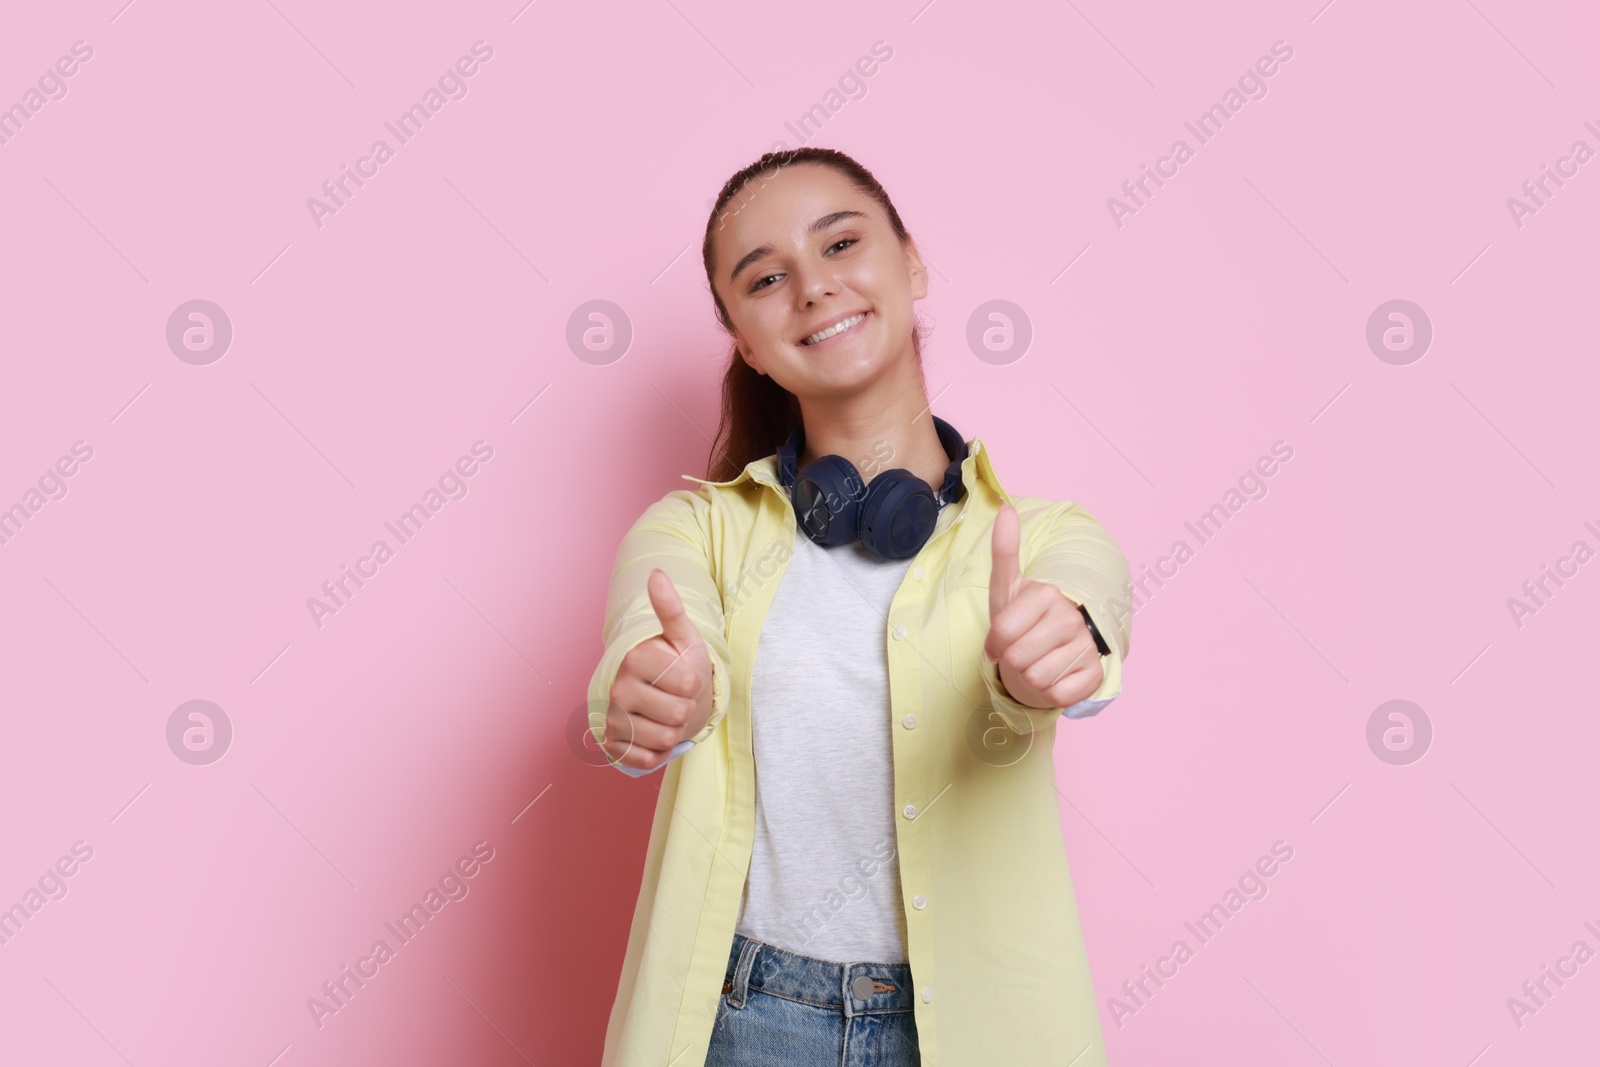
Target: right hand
(662, 693)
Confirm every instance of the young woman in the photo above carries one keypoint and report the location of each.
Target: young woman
(849, 651)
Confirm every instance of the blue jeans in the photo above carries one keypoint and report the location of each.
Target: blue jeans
(782, 1009)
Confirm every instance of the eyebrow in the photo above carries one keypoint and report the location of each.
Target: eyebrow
(816, 227)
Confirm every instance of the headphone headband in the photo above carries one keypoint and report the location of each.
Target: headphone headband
(893, 516)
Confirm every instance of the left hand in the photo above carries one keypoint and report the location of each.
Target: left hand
(1046, 655)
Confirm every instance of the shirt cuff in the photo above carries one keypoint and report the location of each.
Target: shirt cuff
(677, 750)
(1087, 707)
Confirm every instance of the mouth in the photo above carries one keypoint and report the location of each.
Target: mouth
(837, 329)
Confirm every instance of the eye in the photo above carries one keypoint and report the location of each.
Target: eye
(759, 282)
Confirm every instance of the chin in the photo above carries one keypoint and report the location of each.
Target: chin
(855, 377)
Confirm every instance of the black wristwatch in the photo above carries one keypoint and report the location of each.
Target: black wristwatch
(1094, 632)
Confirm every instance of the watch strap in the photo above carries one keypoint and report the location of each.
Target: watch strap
(1094, 632)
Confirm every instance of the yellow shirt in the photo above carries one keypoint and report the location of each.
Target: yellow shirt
(993, 936)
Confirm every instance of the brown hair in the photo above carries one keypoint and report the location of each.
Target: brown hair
(758, 414)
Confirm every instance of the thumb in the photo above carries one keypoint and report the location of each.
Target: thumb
(1005, 571)
(676, 626)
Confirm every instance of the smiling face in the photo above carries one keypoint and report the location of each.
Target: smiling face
(806, 253)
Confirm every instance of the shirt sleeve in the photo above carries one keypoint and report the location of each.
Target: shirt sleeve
(1065, 546)
(674, 535)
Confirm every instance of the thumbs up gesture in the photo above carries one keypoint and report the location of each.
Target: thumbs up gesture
(662, 692)
(1046, 655)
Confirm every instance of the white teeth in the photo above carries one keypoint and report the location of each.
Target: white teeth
(823, 335)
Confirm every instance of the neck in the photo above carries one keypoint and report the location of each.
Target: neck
(876, 433)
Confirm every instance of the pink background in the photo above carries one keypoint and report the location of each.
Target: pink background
(431, 712)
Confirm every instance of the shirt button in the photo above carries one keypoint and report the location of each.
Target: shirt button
(899, 633)
(910, 811)
(927, 993)
(918, 572)
(909, 722)
(919, 901)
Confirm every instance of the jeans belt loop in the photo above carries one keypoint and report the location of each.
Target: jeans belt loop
(741, 973)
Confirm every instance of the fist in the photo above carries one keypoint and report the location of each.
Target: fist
(662, 692)
(1046, 655)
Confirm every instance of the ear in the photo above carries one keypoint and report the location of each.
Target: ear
(916, 271)
(745, 354)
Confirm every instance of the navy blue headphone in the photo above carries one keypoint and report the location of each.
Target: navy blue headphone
(893, 516)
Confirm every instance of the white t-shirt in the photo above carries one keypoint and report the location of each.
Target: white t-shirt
(824, 875)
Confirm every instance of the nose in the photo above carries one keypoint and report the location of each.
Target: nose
(815, 281)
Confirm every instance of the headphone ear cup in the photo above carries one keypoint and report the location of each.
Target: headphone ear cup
(827, 497)
(898, 514)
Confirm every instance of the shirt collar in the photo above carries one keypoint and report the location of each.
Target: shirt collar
(975, 469)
